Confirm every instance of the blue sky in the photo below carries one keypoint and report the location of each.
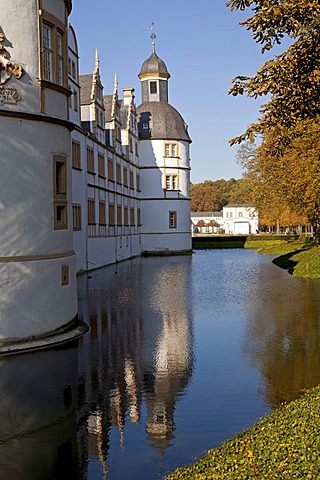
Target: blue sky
(203, 47)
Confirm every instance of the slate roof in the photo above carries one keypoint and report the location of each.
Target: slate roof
(206, 214)
(246, 205)
(85, 89)
(124, 112)
(107, 102)
(154, 64)
(163, 120)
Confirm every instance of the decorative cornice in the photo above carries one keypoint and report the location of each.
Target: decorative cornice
(35, 258)
(37, 117)
(145, 76)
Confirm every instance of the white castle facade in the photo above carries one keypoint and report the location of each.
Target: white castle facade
(86, 179)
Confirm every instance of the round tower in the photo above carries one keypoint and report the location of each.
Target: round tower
(165, 165)
(37, 261)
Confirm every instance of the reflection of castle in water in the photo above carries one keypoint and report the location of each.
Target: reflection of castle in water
(38, 416)
(139, 350)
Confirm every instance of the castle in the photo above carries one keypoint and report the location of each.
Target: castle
(87, 179)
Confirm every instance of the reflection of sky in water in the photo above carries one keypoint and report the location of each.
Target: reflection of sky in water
(183, 352)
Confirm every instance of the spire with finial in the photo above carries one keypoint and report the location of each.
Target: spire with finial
(115, 84)
(153, 36)
(97, 60)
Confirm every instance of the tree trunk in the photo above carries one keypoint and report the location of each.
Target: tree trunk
(315, 222)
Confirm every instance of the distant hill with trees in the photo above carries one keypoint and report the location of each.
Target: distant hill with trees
(211, 196)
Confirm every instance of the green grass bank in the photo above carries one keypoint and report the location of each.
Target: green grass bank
(283, 445)
(298, 255)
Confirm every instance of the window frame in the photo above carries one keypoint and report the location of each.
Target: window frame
(173, 219)
(60, 191)
(57, 51)
(171, 149)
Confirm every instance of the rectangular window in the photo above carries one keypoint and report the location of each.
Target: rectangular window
(111, 214)
(53, 48)
(76, 216)
(153, 87)
(90, 160)
(171, 182)
(76, 158)
(60, 192)
(73, 70)
(91, 211)
(173, 219)
(118, 173)
(101, 165)
(47, 53)
(119, 215)
(126, 216)
(102, 213)
(139, 216)
(110, 170)
(125, 176)
(75, 100)
(59, 58)
(171, 149)
(138, 182)
(240, 214)
(131, 180)
(132, 216)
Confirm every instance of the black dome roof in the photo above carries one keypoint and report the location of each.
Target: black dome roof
(154, 64)
(159, 120)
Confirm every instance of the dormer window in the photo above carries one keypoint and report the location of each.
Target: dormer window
(145, 126)
(153, 87)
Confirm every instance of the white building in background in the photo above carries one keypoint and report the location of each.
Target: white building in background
(234, 219)
(240, 219)
(37, 260)
(164, 165)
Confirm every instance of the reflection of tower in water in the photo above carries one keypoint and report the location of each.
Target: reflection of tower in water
(139, 347)
(167, 367)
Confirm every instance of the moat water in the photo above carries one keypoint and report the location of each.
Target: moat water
(183, 353)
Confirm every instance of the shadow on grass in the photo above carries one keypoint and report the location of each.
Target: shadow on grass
(286, 262)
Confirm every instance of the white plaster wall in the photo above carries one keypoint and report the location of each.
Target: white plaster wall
(19, 22)
(157, 203)
(26, 193)
(107, 250)
(33, 300)
(56, 104)
(166, 243)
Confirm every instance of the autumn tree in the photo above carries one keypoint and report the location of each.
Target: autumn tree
(212, 195)
(291, 78)
(286, 187)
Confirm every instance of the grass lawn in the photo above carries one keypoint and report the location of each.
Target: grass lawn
(283, 445)
(302, 260)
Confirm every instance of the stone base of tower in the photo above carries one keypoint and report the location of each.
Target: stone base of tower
(157, 244)
(71, 332)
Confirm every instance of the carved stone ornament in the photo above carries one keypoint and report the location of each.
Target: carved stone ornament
(9, 96)
(8, 69)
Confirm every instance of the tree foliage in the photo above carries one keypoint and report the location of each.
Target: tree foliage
(286, 187)
(210, 196)
(292, 78)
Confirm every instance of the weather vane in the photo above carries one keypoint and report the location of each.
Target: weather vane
(153, 36)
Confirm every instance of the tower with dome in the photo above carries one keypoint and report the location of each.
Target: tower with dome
(164, 144)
